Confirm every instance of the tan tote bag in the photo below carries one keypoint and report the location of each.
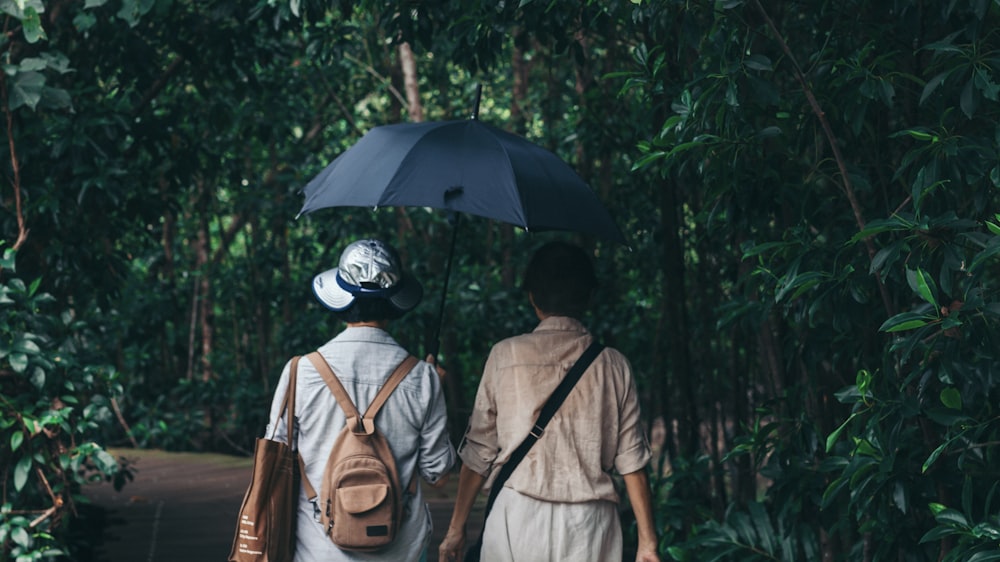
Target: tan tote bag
(265, 527)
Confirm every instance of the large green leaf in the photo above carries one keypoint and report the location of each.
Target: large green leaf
(831, 439)
(32, 25)
(952, 517)
(19, 8)
(16, 439)
(952, 398)
(25, 90)
(21, 471)
(922, 285)
(18, 362)
(133, 10)
(906, 321)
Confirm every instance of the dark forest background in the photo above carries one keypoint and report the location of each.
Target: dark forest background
(809, 189)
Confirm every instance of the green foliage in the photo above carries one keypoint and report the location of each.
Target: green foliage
(749, 535)
(53, 406)
(974, 540)
(851, 171)
(809, 193)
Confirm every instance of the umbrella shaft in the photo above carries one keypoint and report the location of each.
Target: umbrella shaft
(436, 342)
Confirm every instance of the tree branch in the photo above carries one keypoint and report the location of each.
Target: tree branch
(832, 140)
(124, 424)
(409, 66)
(227, 238)
(388, 83)
(158, 86)
(45, 515)
(22, 230)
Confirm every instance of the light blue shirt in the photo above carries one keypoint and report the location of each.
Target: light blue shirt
(413, 420)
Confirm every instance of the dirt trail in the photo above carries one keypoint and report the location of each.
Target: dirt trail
(182, 507)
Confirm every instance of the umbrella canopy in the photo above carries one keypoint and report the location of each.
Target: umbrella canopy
(465, 166)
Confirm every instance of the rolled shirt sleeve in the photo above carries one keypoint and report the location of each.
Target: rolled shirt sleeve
(633, 445)
(436, 452)
(478, 449)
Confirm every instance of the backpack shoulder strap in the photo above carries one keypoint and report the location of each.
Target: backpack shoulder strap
(390, 385)
(350, 410)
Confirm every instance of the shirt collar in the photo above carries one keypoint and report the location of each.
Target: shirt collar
(364, 333)
(561, 324)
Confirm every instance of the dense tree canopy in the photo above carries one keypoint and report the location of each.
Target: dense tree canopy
(808, 294)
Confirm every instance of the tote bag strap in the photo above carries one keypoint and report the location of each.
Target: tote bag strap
(288, 405)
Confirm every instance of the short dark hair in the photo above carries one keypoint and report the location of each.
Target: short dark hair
(369, 310)
(561, 279)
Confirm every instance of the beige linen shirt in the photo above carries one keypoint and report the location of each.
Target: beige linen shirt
(596, 429)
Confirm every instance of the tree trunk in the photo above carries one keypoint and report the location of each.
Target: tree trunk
(168, 365)
(744, 481)
(584, 81)
(401, 75)
(681, 392)
(262, 347)
(205, 309)
(193, 327)
(409, 68)
(520, 68)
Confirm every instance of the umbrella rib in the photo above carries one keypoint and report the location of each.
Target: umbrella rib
(509, 162)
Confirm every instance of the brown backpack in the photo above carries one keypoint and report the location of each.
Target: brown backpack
(360, 502)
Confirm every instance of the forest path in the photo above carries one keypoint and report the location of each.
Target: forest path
(182, 507)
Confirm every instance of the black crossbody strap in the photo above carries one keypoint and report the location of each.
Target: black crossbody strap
(548, 410)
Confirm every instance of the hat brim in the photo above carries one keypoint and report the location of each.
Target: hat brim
(332, 295)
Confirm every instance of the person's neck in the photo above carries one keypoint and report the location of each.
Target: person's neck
(381, 324)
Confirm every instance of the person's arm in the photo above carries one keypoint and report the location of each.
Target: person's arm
(469, 484)
(436, 455)
(442, 375)
(637, 486)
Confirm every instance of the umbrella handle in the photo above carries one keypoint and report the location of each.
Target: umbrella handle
(435, 344)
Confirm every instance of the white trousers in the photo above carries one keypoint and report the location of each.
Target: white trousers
(523, 529)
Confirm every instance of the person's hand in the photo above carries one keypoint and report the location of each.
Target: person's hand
(440, 481)
(452, 546)
(646, 555)
(433, 361)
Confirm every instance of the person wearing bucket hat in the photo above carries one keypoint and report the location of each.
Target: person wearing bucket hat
(369, 271)
(368, 289)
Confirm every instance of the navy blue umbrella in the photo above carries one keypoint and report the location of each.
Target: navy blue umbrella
(466, 166)
(463, 166)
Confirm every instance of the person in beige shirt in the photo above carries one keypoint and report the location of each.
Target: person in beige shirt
(560, 503)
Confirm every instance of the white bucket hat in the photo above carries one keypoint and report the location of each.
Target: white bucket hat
(368, 269)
